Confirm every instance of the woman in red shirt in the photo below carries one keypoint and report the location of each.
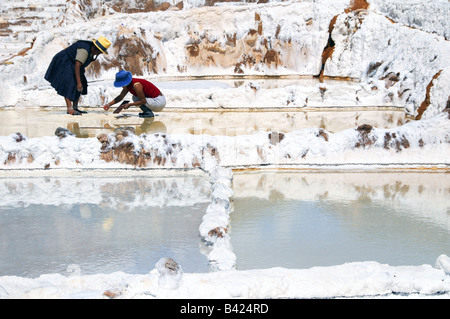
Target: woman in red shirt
(145, 94)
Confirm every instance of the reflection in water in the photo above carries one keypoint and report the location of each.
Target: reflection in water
(43, 122)
(286, 218)
(148, 125)
(245, 123)
(301, 220)
(101, 225)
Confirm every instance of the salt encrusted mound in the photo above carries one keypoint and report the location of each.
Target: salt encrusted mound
(443, 262)
(216, 221)
(350, 280)
(170, 273)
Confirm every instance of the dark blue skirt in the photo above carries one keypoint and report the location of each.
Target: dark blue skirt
(61, 75)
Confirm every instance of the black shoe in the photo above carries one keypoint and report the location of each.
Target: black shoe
(147, 114)
(80, 111)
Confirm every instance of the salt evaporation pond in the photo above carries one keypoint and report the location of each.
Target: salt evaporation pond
(101, 224)
(300, 220)
(39, 122)
(231, 120)
(296, 219)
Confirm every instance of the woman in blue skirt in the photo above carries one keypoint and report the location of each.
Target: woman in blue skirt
(66, 71)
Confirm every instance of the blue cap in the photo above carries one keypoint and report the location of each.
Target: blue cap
(123, 78)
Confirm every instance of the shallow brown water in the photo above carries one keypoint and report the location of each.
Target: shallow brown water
(39, 122)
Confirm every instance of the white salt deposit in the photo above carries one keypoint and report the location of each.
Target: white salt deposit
(392, 62)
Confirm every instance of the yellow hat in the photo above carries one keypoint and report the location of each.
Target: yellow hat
(102, 44)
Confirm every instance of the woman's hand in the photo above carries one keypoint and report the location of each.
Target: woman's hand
(79, 87)
(107, 106)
